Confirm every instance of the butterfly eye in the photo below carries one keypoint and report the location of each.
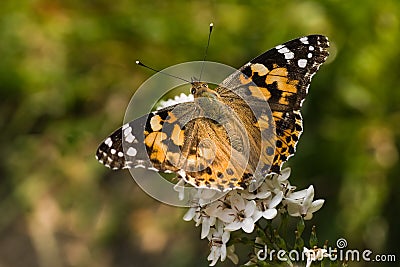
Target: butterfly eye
(204, 85)
(193, 91)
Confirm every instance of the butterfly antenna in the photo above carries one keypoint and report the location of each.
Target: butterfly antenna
(205, 54)
(159, 71)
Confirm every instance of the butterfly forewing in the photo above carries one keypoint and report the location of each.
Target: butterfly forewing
(283, 74)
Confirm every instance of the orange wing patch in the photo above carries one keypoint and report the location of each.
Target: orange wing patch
(158, 148)
(288, 131)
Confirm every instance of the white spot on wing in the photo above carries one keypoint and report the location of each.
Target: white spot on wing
(131, 151)
(113, 151)
(283, 50)
(129, 138)
(286, 52)
(120, 154)
(302, 63)
(153, 169)
(311, 48)
(309, 55)
(108, 142)
(304, 40)
(139, 166)
(289, 55)
(127, 131)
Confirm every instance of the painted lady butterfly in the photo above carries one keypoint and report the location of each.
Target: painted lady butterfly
(186, 139)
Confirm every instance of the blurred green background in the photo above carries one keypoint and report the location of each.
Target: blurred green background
(67, 72)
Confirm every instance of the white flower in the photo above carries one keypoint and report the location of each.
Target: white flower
(301, 203)
(218, 239)
(241, 209)
(201, 216)
(182, 98)
(205, 196)
(206, 224)
(200, 196)
(315, 254)
(261, 192)
(279, 182)
(192, 214)
(240, 214)
(266, 208)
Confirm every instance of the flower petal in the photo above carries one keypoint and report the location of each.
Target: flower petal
(285, 173)
(257, 215)
(316, 205)
(309, 197)
(223, 252)
(308, 216)
(270, 214)
(297, 195)
(233, 226)
(293, 209)
(215, 253)
(237, 201)
(225, 237)
(276, 200)
(190, 214)
(205, 229)
(250, 208)
(227, 215)
(248, 225)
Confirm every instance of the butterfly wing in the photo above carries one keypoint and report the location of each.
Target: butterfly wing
(181, 139)
(282, 75)
(125, 147)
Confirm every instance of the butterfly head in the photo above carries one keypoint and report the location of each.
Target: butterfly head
(201, 89)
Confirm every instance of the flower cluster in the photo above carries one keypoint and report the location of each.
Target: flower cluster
(182, 98)
(241, 209)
